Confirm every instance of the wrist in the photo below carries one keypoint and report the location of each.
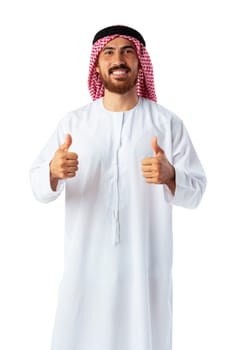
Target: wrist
(53, 179)
(171, 183)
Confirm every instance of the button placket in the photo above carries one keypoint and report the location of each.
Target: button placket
(116, 221)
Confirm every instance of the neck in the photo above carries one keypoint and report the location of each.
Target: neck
(120, 102)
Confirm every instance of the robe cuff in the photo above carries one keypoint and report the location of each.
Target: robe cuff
(188, 191)
(41, 184)
(181, 186)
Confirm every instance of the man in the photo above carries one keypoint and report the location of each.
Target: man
(124, 161)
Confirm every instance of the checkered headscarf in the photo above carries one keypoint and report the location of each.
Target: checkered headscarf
(145, 80)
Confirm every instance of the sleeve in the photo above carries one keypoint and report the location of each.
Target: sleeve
(40, 171)
(190, 176)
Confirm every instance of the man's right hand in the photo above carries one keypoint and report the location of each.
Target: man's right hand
(64, 164)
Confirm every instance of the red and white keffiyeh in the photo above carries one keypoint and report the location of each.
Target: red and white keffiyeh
(145, 81)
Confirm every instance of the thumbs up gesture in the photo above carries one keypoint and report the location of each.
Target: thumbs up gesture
(64, 163)
(157, 169)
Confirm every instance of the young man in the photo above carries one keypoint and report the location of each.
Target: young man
(124, 161)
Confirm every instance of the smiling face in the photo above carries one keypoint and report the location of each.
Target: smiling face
(118, 66)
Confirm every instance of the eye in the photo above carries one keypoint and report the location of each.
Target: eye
(108, 52)
(129, 51)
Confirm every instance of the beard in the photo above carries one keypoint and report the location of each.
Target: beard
(121, 85)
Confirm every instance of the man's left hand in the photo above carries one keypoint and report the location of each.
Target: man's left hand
(158, 170)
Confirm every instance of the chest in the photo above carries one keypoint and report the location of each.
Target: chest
(121, 137)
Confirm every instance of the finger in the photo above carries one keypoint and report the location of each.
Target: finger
(147, 168)
(71, 174)
(71, 156)
(150, 174)
(66, 145)
(72, 169)
(152, 181)
(149, 180)
(147, 161)
(157, 149)
(71, 162)
(147, 176)
(155, 179)
(153, 165)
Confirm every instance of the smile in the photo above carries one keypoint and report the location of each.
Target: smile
(119, 72)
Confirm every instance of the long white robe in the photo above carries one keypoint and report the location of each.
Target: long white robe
(116, 291)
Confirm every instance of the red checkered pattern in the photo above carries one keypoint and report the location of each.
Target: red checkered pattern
(145, 81)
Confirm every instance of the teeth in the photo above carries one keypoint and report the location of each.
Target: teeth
(119, 72)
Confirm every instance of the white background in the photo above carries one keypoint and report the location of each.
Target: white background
(44, 53)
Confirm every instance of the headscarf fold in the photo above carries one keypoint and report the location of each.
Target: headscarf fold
(145, 80)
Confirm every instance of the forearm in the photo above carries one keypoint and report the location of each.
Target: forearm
(172, 186)
(53, 183)
(171, 182)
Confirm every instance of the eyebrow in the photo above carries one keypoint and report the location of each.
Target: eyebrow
(122, 47)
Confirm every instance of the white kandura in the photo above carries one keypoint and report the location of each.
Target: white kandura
(116, 291)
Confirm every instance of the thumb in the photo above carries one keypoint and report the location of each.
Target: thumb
(156, 147)
(66, 145)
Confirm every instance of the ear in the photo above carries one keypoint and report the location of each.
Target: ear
(97, 66)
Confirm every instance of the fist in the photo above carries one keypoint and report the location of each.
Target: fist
(157, 169)
(64, 163)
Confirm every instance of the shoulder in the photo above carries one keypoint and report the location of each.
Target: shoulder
(160, 114)
(80, 114)
(158, 109)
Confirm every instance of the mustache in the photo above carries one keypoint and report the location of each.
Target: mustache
(121, 66)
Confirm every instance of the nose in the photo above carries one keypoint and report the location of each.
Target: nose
(118, 58)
